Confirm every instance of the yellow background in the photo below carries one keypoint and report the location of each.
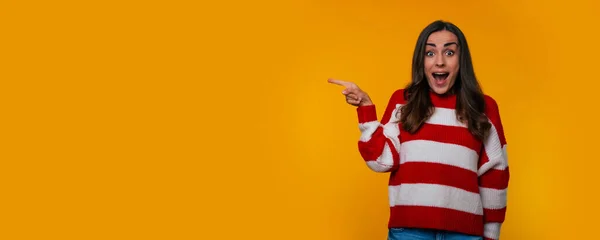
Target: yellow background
(205, 120)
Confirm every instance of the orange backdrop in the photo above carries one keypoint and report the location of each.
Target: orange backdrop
(187, 120)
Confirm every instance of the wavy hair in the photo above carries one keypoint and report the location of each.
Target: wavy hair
(470, 100)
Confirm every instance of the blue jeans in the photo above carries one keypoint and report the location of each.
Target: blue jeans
(426, 234)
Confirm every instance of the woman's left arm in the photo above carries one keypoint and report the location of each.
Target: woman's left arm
(493, 173)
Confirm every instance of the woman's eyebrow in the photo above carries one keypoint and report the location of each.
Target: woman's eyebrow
(445, 44)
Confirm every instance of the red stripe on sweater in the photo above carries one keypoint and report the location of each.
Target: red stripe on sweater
(492, 111)
(448, 101)
(494, 215)
(483, 158)
(496, 179)
(436, 173)
(445, 134)
(372, 149)
(366, 113)
(395, 155)
(436, 218)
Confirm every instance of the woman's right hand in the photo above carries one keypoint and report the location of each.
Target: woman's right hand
(354, 95)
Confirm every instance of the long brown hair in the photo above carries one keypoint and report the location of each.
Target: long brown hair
(470, 101)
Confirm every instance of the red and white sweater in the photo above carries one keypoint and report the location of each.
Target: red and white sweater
(441, 177)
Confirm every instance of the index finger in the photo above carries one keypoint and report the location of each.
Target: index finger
(339, 82)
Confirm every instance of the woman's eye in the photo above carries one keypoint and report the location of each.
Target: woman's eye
(430, 53)
(450, 53)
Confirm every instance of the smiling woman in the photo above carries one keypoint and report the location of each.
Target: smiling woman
(442, 141)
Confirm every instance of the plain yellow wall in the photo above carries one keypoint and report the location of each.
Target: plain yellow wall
(187, 120)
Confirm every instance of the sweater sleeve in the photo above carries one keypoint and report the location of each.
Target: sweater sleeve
(493, 174)
(379, 143)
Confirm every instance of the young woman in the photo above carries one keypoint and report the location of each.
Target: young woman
(442, 142)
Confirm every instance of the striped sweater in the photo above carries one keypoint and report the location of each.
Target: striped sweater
(441, 177)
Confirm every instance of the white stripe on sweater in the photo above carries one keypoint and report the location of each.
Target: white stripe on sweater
(384, 162)
(445, 117)
(435, 195)
(390, 129)
(496, 153)
(492, 230)
(438, 152)
(378, 167)
(493, 198)
(367, 129)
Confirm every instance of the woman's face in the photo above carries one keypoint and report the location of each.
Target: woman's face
(441, 61)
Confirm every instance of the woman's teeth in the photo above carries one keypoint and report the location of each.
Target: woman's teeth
(440, 76)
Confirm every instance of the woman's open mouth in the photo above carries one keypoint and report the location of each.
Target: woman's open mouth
(440, 77)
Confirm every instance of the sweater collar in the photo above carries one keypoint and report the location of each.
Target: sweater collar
(447, 100)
